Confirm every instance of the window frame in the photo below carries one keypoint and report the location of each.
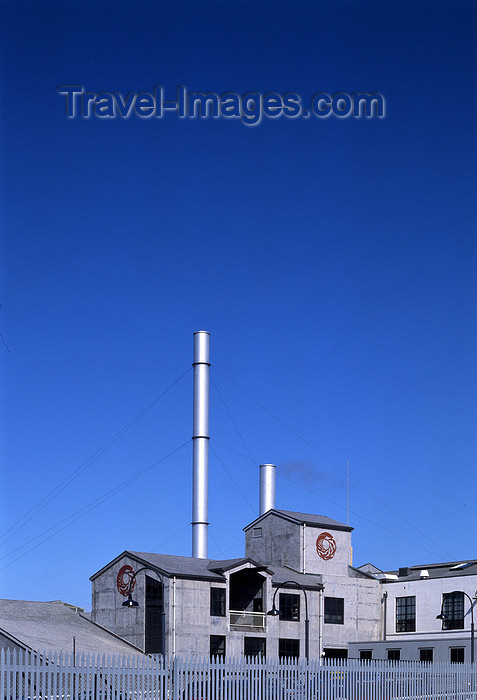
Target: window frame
(260, 644)
(451, 603)
(338, 613)
(283, 653)
(426, 651)
(153, 616)
(289, 606)
(218, 601)
(218, 652)
(453, 652)
(405, 614)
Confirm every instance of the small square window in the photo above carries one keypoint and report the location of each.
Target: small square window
(288, 648)
(457, 655)
(426, 655)
(394, 654)
(257, 532)
(365, 654)
(254, 646)
(289, 606)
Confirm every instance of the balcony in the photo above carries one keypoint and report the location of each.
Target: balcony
(244, 618)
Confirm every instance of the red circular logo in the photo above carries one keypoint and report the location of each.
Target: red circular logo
(123, 581)
(325, 546)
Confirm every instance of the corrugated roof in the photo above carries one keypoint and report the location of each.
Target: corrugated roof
(52, 626)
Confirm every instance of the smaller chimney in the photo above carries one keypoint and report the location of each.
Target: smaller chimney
(267, 487)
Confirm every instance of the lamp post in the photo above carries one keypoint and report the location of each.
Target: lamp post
(443, 616)
(130, 603)
(274, 612)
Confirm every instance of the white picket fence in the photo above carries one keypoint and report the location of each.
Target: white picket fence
(53, 676)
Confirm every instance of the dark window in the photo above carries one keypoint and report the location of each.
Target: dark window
(289, 606)
(426, 655)
(453, 609)
(288, 648)
(394, 654)
(254, 646)
(217, 602)
(335, 653)
(154, 617)
(334, 611)
(217, 645)
(257, 603)
(365, 654)
(457, 655)
(406, 614)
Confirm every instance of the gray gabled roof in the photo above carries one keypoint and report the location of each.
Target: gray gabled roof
(46, 627)
(182, 567)
(281, 574)
(303, 519)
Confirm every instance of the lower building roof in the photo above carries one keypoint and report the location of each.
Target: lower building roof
(45, 627)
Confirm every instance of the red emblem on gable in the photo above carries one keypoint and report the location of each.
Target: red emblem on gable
(325, 546)
(124, 579)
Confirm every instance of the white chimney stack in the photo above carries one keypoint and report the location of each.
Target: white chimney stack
(200, 442)
(267, 487)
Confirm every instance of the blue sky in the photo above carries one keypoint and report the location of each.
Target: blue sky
(332, 261)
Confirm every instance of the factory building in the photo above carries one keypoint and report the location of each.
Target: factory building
(297, 566)
(189, 605)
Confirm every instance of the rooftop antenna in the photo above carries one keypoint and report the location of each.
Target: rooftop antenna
(347, 491)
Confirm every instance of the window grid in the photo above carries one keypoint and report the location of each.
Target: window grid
(457, 655)
(334, 611)
(406, 614)
(254, 646)
(453, 609)
(288, 648)
(426, 655)
(289, 606)
(217, 602)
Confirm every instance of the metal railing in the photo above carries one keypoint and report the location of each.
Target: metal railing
(244, 618)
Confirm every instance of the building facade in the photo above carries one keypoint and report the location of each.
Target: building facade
(427, 613)
(298, 563)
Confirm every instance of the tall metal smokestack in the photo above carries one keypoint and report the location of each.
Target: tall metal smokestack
(200, 442)
(267, 487)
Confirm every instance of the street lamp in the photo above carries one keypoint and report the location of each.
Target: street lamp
(443, 616)
(274, 612)
(130, 603)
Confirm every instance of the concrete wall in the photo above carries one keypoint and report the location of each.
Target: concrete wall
(285, 543)
(190, 631)
(362, 610)
(106, 605)
(338, 564)
(280, 543)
